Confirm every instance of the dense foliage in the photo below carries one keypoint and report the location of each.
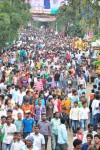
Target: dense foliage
(79, 16)
(13, 15)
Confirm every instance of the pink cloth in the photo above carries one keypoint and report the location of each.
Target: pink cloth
(38, 85)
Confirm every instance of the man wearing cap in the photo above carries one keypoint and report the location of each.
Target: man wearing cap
(29, 144)
(27, 124)
(27, 106)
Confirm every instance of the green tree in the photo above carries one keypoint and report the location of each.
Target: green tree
(71, 16)
(13, 15)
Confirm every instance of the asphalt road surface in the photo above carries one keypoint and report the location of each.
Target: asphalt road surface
(70, 136)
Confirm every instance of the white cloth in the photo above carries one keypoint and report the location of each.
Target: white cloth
(20, 98)
(95, 105)
(38, 140)
(15, 113)
(84, 113)
(8, 133)
(74, 113)
(55, 109)
(17, 145)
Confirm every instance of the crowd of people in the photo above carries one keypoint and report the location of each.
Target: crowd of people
(44, 92)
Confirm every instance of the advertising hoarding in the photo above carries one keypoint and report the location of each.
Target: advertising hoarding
(46, 6)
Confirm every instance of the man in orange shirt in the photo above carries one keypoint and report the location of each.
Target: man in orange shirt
(27, 107)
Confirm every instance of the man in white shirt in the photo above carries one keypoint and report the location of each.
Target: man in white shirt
(8, 131)
(21, 94)
(95, 111)
(89, 131)
(74, 116)
(39, 140)
(18, 143)
(84, 116)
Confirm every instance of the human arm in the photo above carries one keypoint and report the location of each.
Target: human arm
(50, 130)
(42, 143)
(33, 126)
(70, 115)
(43, 146)
(21, 130)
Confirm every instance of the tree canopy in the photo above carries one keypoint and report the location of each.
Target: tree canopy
(13, 15)
(78, 16)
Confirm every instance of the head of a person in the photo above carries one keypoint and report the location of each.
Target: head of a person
(89, 138)
(9, 120)
(44, 117)
(75, 104)
(28, 93)
(96, 139)
(29, 141)
(18, 136)
(9, 96)
(16, 87)
(50, 99)
(17, 106)
(9, 112)
(74, 92)
(97, 96)
(98, 130)
(5, 91)
(3, 119)
(94, 86)
(39, 102)
(36, 130)
(41, 95)
(15, 136)
(8, 87)
(77, 144)
(19, 116)
(82, 98)
(62, 120)
(79, 130)
(56, 115)
(90, 128)
(81, 86)
(54, 96)
(13, 86)
(27, 113)
(84, 104)
(1, 97)
(26, 102)
(83, 94)
(98, 76)
(21, 89)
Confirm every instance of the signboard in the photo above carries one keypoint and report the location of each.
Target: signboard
(44, 19)
(90, 33)
(46, 6)
(96, 48)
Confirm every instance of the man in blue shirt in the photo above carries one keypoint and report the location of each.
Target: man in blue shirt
(89, 142)
(27, 124)
(62, 136)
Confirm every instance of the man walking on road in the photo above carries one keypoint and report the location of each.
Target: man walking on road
(45, 129)
(62, 136)
(55, 122)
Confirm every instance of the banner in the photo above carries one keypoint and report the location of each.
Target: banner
(46, 6)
